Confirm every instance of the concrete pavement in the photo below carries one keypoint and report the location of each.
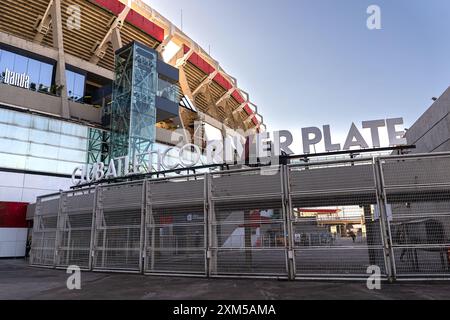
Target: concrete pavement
(19, 281)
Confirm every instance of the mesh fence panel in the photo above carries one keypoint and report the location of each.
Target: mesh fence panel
(118, 227)
(44, 231)
(75, 229)
(247, 227)
(335, 229)
(175, 228)
(246, 184)
(418, 201)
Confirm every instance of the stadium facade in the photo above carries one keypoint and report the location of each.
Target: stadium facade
(83, 82)
(86, 83)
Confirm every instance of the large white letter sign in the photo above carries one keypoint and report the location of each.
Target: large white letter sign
(309, 141)
(355, 139)
(374, 127)
(396, 138)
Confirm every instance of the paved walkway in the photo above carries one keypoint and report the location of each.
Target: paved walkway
(19, 281)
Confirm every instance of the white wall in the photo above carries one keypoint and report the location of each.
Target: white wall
(12, 242)
(21, 187)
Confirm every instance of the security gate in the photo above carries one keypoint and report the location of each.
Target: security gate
(247, 223)
(317, 252)
(320, 220)
(118, 227)
(44, 232)
(74, 233)
(175, 226)
(417, 193)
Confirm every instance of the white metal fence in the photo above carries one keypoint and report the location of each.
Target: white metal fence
(247, 215)
(349, 184)
(118, 227)
(327, 220)
(175, 226)
(417, 198)
(44, 233)
(74, 233)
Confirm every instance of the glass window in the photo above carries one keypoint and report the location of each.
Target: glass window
(167, 90)
(31, 142)
(12, 161)
(75, 85)
(46, 75)
(45, 137)
(40, 123)
(78, 87)
(34, 69)
(40, 164)
(21, 119)
(70, 80)
(73, 129)
(55, 125)
(20, 64)
(40, 73)
(74, 142)
(13, 146)
(71, 155)
(14, 132)
(43, 151)
(6, 62)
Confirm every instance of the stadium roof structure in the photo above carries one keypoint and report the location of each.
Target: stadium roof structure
(107, 25)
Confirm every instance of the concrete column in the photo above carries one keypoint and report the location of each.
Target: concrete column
(58, 43)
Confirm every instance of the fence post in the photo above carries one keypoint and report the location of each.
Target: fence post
(152, 223)
(143, 237)
(206, 206)
(92, 243)
(98, 216)
(36, 227)
(146, 229)
(384, 223)
(287, 210)
(211, 256)
(61, 205)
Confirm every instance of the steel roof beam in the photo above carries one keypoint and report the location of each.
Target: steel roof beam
(112, 36)
(205, 82)
(226, 96)
(44, 24)
(240, 108)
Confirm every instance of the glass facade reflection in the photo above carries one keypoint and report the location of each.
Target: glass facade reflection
(37, 143)
(168, 90)
(40, 73)
(75, 85)
(133, 109)
(42, 144)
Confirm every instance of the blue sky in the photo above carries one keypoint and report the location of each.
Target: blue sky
(314, 62)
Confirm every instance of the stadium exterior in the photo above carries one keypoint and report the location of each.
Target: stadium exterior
(86, 83)
(61, 63)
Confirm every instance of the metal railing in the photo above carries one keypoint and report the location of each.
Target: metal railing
(392, 212)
